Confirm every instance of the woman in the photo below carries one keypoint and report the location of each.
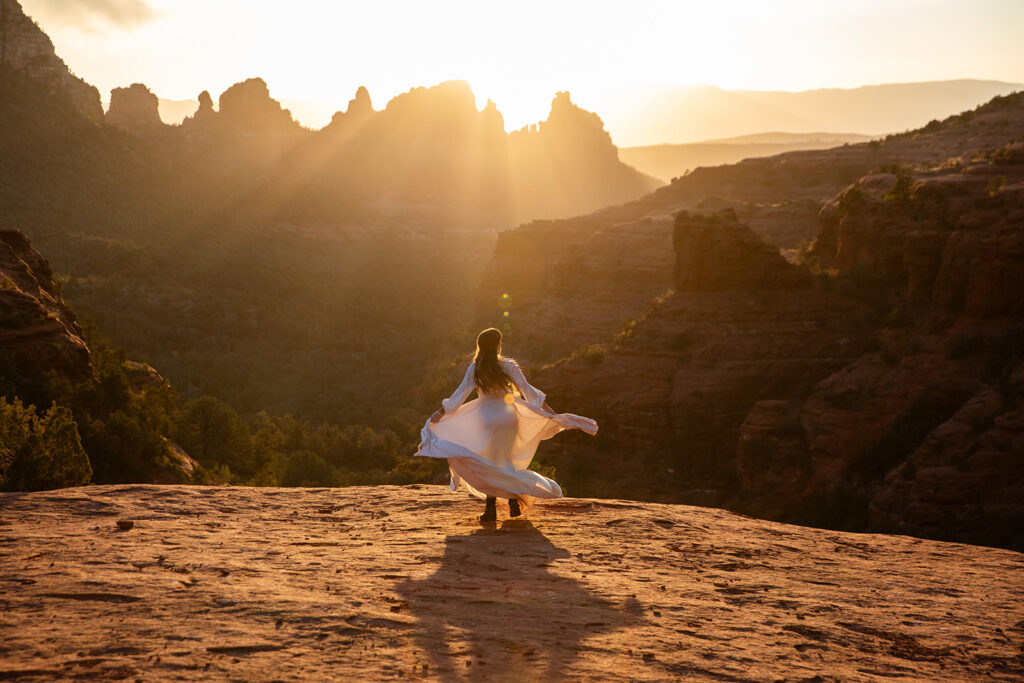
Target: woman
(489, 442)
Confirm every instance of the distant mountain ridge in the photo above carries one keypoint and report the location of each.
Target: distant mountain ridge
(781, 138)
(429, 154)
(669, 161)
(686, 114)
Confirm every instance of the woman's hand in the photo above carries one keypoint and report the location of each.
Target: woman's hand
(438, 414)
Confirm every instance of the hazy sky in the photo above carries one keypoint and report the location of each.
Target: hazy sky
(520, 53)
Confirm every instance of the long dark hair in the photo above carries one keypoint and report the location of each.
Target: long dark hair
(488, 373)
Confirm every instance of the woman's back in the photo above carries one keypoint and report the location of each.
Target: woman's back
(493, 392)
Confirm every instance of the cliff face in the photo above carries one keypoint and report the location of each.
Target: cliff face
(718, 253)
(26, 49)
(391, 582)
(39, 333)
(741, 325)
(927, 431)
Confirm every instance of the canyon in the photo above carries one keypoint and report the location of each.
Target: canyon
(869, 382)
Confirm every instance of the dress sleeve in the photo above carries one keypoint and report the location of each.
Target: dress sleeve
(534, 396)
(452, 403)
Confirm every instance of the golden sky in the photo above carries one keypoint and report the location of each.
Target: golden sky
(314, 54)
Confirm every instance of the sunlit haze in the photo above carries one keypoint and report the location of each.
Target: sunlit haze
(314, 55)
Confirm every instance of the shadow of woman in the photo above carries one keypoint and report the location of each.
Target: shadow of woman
(494, 609)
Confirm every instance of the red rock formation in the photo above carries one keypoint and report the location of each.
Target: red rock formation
(772, 453)
(964, 480)
(354, 118)
(981, 267)
(575, 282)
(39, 333)
(800, 398)
(24, 48)
(568, 163)
(43, 350)
(247, 107)
(718, 253)
(778, 197)
(203, 121)
(135, 109)
(675, 385)
(922, 436)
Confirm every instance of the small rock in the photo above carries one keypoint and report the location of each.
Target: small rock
(125, 524)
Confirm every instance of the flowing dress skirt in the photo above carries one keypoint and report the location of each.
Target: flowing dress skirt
(489, 444)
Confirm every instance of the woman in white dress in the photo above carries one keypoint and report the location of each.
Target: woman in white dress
(490, 441)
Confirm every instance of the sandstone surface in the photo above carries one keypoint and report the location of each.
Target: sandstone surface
(401, 583)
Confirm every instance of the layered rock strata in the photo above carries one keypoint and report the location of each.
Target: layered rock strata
(883, 396)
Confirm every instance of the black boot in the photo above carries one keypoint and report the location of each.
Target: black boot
(513, 507)
(490, 511)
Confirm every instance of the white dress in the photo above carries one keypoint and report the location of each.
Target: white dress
(490, 441)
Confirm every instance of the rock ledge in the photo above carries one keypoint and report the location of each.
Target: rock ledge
(401, 582)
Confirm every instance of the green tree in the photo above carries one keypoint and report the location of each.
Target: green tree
(40, 451)
(212, 433)
(309, 469)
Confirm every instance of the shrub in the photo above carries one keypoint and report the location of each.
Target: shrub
(40, 451)
(593, 354)
(852, 198)
(901, 191)
(997, 183)
(308, 469)
(541, 468)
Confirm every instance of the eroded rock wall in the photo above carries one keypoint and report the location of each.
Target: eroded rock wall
(26, 49)
(39, 333)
